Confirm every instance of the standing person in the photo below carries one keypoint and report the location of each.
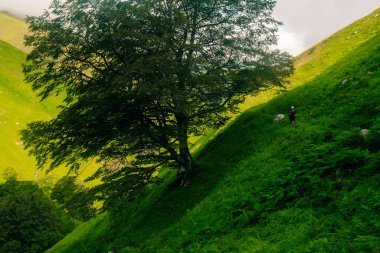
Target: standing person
(292, 115)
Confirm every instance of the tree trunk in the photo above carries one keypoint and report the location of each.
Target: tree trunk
(186, 163)
(186, 169)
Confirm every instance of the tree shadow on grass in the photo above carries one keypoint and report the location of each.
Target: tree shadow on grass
(219, 157)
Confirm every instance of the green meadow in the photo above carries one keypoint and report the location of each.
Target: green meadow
(273, 187)
(18, 107)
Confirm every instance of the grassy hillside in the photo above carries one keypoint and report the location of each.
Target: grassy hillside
(12, 31)
(318, 59)
(18, 106)
(271, 187)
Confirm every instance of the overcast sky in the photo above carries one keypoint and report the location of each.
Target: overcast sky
(306, 22)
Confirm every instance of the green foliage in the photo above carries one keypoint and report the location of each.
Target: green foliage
(139, 77)
(74, 198)
(29, 221)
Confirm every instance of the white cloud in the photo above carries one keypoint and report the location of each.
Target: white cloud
(291, 42)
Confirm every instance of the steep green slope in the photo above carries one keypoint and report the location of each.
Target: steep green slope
(266, 187)
(18, 106)
(12, 31)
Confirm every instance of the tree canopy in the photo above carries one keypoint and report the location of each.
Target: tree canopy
(74, 198)
(29, 221)
(140, 76)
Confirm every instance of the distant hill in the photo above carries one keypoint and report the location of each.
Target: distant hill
(18, 106)
(271, 187)
(12, 30)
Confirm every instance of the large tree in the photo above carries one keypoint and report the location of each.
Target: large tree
(140, 76)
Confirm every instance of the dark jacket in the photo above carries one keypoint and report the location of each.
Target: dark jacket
(292, 114)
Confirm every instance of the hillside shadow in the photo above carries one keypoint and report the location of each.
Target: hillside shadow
(219, 157)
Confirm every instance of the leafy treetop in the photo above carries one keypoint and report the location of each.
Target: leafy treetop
(140, 76)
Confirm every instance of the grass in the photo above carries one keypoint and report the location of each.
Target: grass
(265, 187)
(13, 30)
(18, 107)
(314, 62)
(18, 104)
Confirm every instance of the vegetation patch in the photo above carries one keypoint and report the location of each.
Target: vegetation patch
(29, 221)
